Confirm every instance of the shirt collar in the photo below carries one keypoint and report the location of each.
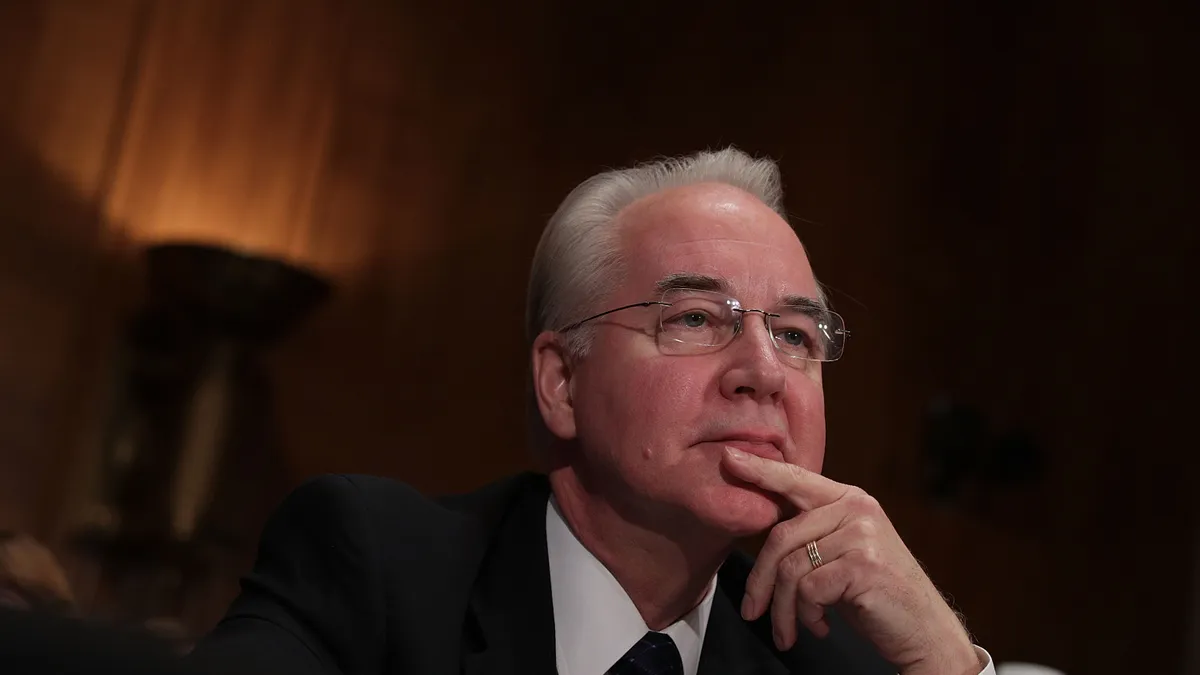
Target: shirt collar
(595, 622)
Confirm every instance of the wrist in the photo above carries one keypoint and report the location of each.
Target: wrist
(960, 659)
(949, 651)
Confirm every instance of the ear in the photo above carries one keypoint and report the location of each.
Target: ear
(552, 385)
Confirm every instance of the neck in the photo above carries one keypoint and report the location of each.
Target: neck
(664, 565)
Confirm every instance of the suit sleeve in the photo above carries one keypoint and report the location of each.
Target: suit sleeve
(314, 602)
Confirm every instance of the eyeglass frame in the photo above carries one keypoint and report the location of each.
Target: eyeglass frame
(736, 307)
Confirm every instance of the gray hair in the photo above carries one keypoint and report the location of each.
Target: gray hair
(577, 262)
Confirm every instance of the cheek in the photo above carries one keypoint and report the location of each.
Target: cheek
(806, 420)
(661, 405)
(671, 395)
(651, 405)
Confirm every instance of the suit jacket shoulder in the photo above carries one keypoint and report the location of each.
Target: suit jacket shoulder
(359, 574)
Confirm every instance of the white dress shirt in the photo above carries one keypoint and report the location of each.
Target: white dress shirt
(595, 622)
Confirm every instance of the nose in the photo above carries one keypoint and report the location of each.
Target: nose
(754, 371)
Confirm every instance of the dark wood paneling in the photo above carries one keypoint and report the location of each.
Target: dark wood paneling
(989, 195)
(62, 79)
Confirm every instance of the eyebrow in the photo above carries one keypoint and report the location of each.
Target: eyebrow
(813, 307)
(690, 281)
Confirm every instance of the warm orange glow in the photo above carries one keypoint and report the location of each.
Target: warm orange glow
(238, 129)
(66, 112)
(227, 136)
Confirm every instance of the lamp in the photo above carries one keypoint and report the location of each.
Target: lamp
(190, 441)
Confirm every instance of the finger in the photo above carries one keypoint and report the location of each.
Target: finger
(803, 488)
(848, 561)
(813, 618)
(801, 595)
(860, 561)
(783, 602)
(785, 538)
(827, 585)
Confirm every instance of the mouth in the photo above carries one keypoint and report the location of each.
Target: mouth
(767, 446)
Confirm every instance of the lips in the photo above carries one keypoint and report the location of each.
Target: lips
(764, 445)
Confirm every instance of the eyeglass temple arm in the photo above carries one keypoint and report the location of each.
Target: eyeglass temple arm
(577, 324)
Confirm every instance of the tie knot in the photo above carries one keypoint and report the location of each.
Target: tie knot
(654, 654)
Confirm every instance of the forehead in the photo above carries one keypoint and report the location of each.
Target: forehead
(714, 230)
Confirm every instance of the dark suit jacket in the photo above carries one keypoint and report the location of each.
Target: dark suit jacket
(362, 575)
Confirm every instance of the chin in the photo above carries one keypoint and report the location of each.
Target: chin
(739, 511)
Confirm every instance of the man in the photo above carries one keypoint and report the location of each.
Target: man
(677, 340)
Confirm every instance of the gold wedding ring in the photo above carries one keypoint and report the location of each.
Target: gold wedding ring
(814, 556)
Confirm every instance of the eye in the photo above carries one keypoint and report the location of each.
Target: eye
(793, 337)
(691, 319)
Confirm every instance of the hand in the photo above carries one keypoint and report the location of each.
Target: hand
(866, 571)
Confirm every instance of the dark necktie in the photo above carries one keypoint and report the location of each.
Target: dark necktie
(654, 654)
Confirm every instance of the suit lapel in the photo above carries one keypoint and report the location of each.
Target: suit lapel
(510, 622)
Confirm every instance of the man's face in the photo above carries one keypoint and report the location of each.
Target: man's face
(652, 426)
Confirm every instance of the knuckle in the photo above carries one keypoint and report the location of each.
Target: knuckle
(864, 528)
(863, 503)
(792, 567)
(812, 588)
(867, 557)
(811, 612)
(780, 535)
(853, 492)
(807, 588)
(775, 547)
(789, 534)
(872, 556)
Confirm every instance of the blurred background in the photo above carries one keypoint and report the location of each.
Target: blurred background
(238, 239)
